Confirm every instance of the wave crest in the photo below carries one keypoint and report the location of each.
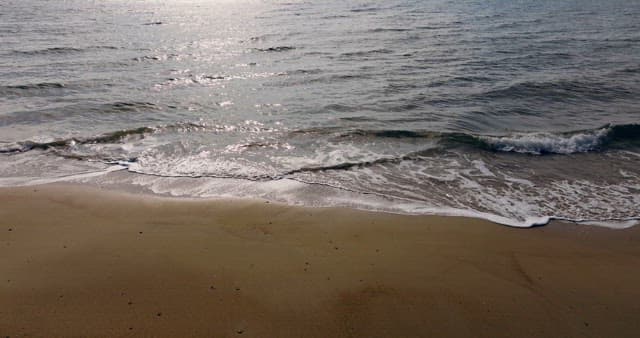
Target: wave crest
(547, 143)
(564, 143)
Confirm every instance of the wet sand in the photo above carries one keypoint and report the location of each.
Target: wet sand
(78, 261)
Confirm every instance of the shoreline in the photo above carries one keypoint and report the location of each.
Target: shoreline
(122, 181)
(80, 261)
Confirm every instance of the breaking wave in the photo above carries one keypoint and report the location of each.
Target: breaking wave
(566, 143)
(113, 137)
(539, 143)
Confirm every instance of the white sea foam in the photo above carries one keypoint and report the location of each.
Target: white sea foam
(518, 194)
(516, 204)
(27, 180)
(294, 192)
(509, 205)
(614, 224)
(540, 143)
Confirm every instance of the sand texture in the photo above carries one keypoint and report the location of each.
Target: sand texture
(78, 261)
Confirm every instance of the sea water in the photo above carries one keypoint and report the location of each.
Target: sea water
(514, 111)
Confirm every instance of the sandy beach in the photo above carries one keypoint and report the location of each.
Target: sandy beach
(78, 261)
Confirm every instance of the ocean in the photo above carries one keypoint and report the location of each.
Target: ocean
(514, 111)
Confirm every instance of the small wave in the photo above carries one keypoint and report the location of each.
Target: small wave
(124, 107)
(342, 77)
(365, 53)
(306, 71)
(43, 85)
(330, 79)
(200, 79)
(52, 51)
(31, 89)
(433, 27)
(104, 47)
(385, 133)
(336, 107)
(346, 165)
(275, 49)
(162, 57)
(384, 30)
(314, 131)
(460, 81)
(49, 51)
(629, 70)
(259, 38)
(75, 111)
(365, 9)
(326, 17)
(358, 118)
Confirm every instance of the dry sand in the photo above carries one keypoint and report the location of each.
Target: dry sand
(77, 261)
